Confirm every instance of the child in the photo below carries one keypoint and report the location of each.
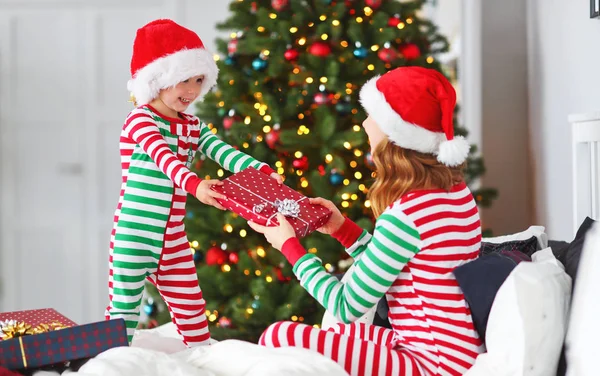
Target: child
(427, 225)
(170, 68)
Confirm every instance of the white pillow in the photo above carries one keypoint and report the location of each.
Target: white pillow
(528, 320)
(537, 231)
(329, 319)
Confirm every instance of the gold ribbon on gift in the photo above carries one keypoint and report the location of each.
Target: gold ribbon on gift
(16, 329)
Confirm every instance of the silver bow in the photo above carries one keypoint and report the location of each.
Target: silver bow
(288, 207)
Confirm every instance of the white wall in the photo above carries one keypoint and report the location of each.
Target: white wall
(564, 78)
(504, 114)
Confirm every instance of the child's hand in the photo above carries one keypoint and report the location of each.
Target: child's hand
(335, 221)
(207, 196)
(277, 177)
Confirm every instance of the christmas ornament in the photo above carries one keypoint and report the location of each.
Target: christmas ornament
(320, 49)
(321, 170)
(394, 21)
(335, 178)
(410, 51)
(149, 308)
(301, 163)
(387, 54)
(272, 138)
(197, 256)
(280, 276)
(323, 97)
(224, 322)
(152, 324)
(255, 304)
(216, 256)
(232, 46)
(228, 122)
(229, 60)
(279, 5)
(259, 64)
(374, 4)
(360, 52)
(234, 258)
(221, 112)
(253, 7)
(326, 2)
(291, 54)
(343, 108)
(369, 159)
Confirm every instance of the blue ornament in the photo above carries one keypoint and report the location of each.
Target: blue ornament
(360, 52)
(326, 2)
(259, 64)
(197, 256)
(343, 108)
(229, 60)
(369, 159)
(256, 304)
(189, 215)
(336, 178)
(149, 308)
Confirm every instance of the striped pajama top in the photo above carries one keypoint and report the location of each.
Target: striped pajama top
(416, 244)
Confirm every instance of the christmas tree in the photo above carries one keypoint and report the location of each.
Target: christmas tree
(287, 94)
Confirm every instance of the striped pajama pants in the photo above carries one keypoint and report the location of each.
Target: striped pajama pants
(361, 349)
(172, 271)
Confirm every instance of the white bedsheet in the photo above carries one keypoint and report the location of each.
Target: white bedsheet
(159, 352)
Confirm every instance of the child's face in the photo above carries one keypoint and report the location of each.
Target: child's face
(374, 133)
(179, 97)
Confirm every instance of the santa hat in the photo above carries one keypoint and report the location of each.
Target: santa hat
(164, 54)
(414, 107)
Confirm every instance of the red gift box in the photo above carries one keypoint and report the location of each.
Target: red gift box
(258, 197)
(35, 317)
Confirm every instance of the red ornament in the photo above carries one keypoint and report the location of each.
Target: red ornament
(291, 54)
(323, 98)
(198, 164)
(321, 170)
(224, 322)
(374, 4)
(394, 21)
(320, 49)
(279, 5)
(228, 122)
(280, 276)
(388, 54)
(301, 163)
(234, 258)
(215, 256)
(253, 7)
(410, 51)
(272, 138)
(232, 46)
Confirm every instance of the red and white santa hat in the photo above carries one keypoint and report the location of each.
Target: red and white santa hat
(414, 107)
(164, 54)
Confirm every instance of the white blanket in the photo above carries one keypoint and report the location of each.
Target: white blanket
(160, 352)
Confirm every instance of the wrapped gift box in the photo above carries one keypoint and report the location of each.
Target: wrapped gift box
(37, 343)
(258, 197)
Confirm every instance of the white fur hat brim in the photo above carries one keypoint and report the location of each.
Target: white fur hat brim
(172, 69)
(408, 135)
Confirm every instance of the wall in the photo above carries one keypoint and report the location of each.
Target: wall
(563, 79)
(504, 114)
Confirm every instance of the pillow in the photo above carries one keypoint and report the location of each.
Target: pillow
(573, 253)
(528, 320)
(480, 280)
(537, 231)
(526, 246)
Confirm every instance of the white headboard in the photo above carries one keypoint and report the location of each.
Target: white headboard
(585, 130)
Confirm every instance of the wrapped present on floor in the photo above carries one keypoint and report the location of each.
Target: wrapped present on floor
(258, 197)
(36, 339)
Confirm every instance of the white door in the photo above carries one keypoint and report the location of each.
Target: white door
(63, 72)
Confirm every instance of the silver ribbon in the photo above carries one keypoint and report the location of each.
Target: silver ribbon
(287, 207)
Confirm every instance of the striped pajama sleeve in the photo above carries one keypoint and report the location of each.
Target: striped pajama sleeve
(142, 129)
(394, 242)
(225, 155)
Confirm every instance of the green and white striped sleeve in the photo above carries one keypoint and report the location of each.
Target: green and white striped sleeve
(224, 154)
(394, 242)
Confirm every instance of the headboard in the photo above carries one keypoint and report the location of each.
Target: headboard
(585, 129)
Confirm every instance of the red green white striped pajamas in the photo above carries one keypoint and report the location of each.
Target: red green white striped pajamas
(416, 244)
(148, 240)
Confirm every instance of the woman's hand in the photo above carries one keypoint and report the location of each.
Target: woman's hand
(275, 235)
(208, 196)
(277, 177)
(335, 221)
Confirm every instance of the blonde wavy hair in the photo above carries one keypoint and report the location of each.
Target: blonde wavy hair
(400, 171)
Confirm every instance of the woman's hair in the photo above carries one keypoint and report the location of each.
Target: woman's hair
(400, 171)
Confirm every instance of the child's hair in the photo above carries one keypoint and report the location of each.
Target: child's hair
(401, 170)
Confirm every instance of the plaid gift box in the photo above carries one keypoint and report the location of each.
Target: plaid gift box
(258, 197)
(62, 345)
